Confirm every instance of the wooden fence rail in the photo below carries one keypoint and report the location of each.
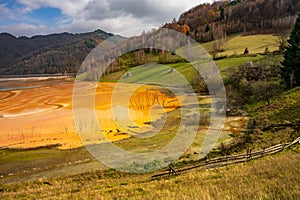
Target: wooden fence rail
(226, 160)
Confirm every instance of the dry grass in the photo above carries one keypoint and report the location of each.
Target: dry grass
(273, 177)
(255, 43)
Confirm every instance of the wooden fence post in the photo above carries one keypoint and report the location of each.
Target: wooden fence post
(172, 170)
(282, 147)
(250, 152)
(248, 155)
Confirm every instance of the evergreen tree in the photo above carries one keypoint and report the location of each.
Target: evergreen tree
(207, 28)
(222, 13)
(290, 71)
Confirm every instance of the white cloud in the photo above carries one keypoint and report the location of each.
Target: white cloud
(123, 25)
(24, 29)
(68, 7)
(15, 13)
(115, 16)
(4, 11)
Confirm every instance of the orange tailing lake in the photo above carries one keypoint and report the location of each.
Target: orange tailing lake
(39, 112)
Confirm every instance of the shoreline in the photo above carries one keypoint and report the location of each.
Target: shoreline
(33, 78)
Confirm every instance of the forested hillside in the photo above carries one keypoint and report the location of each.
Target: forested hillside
(54, 53)
(208, 22)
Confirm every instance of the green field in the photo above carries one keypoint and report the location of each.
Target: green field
(236, 61)
(155, 73)
(255, 43)
(161, 74)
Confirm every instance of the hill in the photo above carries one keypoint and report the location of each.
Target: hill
(235, 45)
(53, 53)
(208, 22)
(232, 56)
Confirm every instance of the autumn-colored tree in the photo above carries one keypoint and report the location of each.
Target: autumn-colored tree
(211, 14)
(186, 29)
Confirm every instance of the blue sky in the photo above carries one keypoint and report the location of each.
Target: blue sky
(47, 16)
(125, 17)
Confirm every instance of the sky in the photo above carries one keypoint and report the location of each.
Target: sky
(123, 17)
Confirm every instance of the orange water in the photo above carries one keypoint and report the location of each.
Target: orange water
(43, 116)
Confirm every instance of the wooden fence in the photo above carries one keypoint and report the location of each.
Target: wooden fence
(225, 160)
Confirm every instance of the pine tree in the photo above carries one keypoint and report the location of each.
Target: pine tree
(290, 71)
(207, 28)
(222, 13)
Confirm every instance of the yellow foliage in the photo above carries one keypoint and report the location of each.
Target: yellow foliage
(185, 29)
(211, 13)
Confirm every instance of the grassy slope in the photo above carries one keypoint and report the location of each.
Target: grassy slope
(284, 109)
(234, 48)
(153, 74)
(35, 162)
(236, 61)
(160, 73)
(255, 43)
(273, 177)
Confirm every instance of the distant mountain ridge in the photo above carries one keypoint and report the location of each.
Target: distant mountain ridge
(53, 53)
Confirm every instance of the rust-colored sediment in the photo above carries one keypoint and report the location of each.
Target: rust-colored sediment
(43, 116)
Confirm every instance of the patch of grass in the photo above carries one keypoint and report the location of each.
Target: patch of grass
(155, 142)
(82, 76)
(272, 177)
(19, 160)
(157, 74)
(113, 77)
(255, 44)
(237, 44)
(237, 61)
(284, 109)
(290, 109)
